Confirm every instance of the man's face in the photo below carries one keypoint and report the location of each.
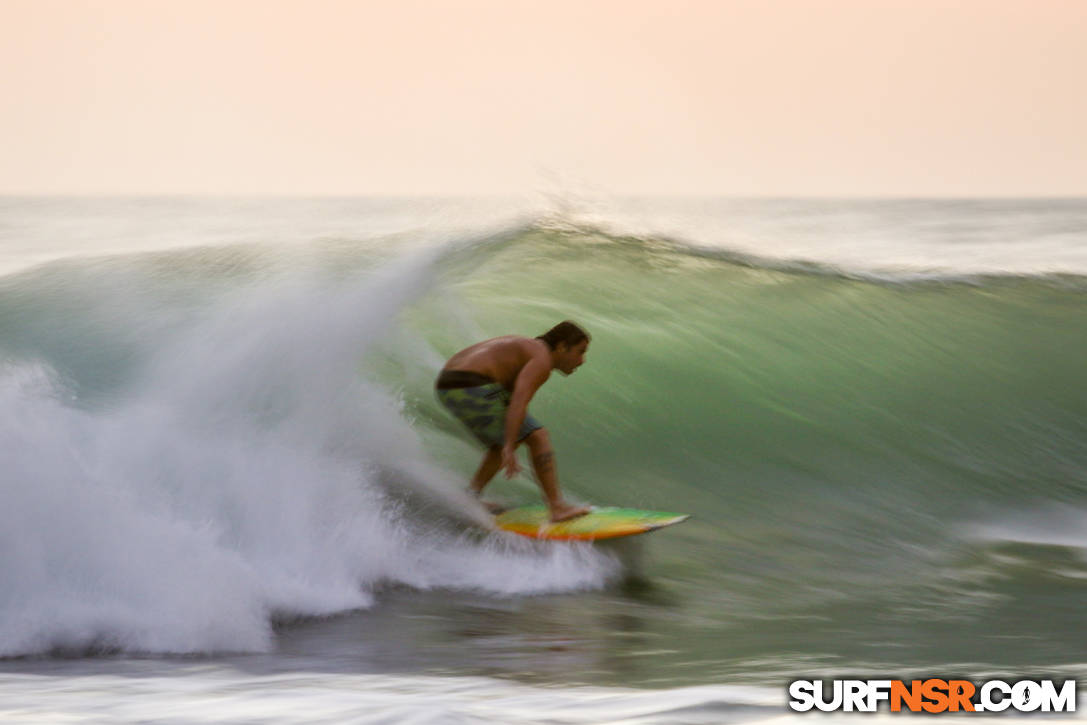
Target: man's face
(571, 357)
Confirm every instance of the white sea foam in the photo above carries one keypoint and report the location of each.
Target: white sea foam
(245, 474)
(208, 694)
(213, 694)
(1051, 524)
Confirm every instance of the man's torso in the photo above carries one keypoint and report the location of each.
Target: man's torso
(500, 358)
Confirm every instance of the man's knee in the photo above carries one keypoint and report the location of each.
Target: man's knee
(538, 440)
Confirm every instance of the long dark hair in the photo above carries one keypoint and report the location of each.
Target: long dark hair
(565, 331)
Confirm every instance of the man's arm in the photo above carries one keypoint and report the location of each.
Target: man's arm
(534, 374)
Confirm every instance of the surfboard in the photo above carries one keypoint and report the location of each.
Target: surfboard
(600, 523)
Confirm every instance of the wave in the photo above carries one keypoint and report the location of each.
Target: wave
(202, 442)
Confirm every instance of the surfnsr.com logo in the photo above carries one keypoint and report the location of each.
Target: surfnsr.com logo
(932, 695)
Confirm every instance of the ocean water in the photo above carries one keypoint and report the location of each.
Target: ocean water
(230, 494)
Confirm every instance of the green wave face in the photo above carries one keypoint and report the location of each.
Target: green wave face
(739, 382)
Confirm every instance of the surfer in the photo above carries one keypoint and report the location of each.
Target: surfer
(488, 386)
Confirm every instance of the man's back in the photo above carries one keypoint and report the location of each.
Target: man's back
(500, 358)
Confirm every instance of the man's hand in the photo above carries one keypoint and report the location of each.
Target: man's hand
(509, 462)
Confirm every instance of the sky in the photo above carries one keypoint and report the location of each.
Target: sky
(727, 97)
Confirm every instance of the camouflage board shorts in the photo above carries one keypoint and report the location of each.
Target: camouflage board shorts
(481, 404)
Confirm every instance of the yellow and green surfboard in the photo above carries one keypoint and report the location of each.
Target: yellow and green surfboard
(600, 523)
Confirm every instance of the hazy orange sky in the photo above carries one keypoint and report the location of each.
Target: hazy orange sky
(769, 97)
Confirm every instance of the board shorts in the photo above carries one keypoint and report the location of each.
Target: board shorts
(481, 404)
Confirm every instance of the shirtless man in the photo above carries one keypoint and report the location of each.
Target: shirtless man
(487, 387)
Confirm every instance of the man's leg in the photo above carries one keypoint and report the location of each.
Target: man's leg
(543, 461)
(492, 460)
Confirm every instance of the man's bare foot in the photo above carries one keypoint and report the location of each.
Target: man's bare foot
(565, 512)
